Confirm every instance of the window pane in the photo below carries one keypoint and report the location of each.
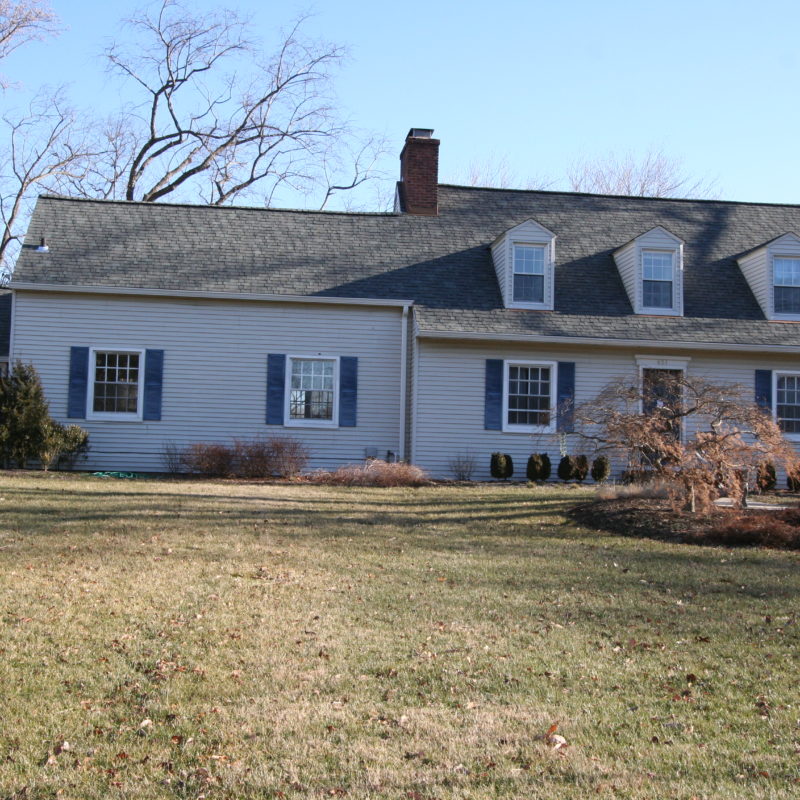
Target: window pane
(528, 395)
(312, 386)
(528, 260)
(656, 265)
(788, 403)
(116, 382)
(787, 300)
(787, 271)
(528, 288)
(657, 294)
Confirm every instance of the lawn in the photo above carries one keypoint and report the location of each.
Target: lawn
(233, 640)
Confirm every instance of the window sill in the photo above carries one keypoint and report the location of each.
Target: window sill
(310, 423)
(660, 312)
(113, 418)
(529, 429)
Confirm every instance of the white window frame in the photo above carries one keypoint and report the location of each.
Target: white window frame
(779, 314)
(673, 253)
(515, 428)
(310, 423)
(778, 373)
(114, 416)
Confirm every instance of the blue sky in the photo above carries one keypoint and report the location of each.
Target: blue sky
(535, 84)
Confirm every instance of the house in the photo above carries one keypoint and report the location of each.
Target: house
(5, 329)
(459, 323)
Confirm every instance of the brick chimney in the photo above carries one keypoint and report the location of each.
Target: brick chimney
(417, 189)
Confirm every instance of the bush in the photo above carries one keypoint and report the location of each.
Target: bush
(762, 530)
(581, 468)
(539, 467)
(63, 445)
(765, 476)
(566, 468)
(638, 476)
(212, 460)
(289, 456)
(793, 479)
(501, 466)
(374, 473)
(601, 469)
(547, 467)
(462, 466)
(173, 458)
(27, 431)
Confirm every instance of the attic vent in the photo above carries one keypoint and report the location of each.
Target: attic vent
(42, 247)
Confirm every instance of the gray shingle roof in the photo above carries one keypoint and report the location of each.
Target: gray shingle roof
(442, 263)
(5, 322)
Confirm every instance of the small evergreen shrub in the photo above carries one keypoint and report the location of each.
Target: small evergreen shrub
(793, 479)
(501, 466)
(534, 468)
(765, 476)
(581, 468)
(63, 445)
(547, 467)
(566, 468)
(601, 469)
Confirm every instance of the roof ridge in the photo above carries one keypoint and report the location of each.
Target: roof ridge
(617, 196)
(205, 206)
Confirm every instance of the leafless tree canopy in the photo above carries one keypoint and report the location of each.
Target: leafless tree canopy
(497, 173)
(654, 175)
(21, 22)
(694, 432)
(218, 123)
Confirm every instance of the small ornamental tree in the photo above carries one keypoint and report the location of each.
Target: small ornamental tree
(766, 477)
(701, 436)
(501, 466)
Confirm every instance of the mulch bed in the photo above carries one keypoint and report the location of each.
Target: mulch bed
(657, 519)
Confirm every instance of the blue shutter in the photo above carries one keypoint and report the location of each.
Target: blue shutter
(276, 383)
(153, 381)
(493, 405)
(565, 396)
(348, 391)
(78, 382)
(764, 389)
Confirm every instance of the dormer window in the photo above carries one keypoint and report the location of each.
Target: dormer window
(529, 273)
(523, 258)
(651, 268)
(657, 278)
(786, 278)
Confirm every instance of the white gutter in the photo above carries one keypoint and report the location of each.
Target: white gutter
(596, 340)
(403, 380)
(250, 296)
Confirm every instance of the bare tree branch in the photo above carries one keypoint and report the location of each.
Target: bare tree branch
(22, 22)
(654, 175)
(210, 127)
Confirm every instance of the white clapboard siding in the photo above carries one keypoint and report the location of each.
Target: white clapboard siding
(500, 259)
(451, 396)
(626, 264)
(215, 366)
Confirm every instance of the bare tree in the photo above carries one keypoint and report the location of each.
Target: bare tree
(701, 435)
(217, 123)
(46, 147)
(22, 22)
(654, 175)
(497, 172)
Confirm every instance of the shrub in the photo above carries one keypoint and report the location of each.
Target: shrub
(765, 476)
(638, 476)
(581, 468)
(763, 530)
(566, 468)
(793, 479)
(547, 467)
(534, 468)
(213, 460)
(172, 457)
(63, 445)
(289, 456)
(601, 469)
(462, 466)
(501, 466)
(374, 473)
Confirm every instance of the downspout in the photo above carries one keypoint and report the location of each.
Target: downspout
(403, 383)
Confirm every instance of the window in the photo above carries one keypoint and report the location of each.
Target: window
(529, 396)
(116, 384)
(312, 395)
(657, 274)
(529, 262)
(786, 279)
(787, 410)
